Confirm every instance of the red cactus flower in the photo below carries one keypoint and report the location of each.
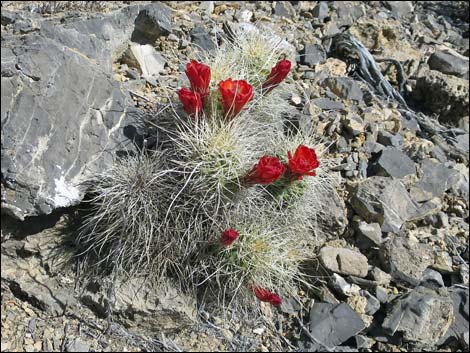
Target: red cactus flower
(303, 162)
(228, 237)
(191, 101)
(266, 171)
(266, 296)
(275, 300)
(199, 76)
(277, 75)
(234, 94)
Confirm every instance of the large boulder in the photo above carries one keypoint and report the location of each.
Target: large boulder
(62, 111)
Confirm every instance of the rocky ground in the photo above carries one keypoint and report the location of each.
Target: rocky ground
(392, 273)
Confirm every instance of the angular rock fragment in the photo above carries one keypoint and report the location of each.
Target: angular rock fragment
(392, 162)
(385, 201)
(331, 325)
(448, 63)
(406, 260)
(423, 316)
(313, 54)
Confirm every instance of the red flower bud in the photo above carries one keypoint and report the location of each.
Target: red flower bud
(277, 75)
(303, 162)
(266, 296)
(199, 76)
(228, 237)
(266, 171)
(191, 101)
(234, 95)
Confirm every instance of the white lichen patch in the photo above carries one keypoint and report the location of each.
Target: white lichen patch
(65, 194)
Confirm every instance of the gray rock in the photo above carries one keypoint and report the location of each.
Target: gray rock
(327, 104)
(77, 345)
(461, 305)
(437, 179)
(348, 12)
(362, 282)
(432, 279)
(321, 11)
(153, 21)
(142, 305)
(406, 260)
(400, 8)
(461, 188)
(207, 7)
(368, 235)
(462, 143)
(423, 316)
(332, 219)
(373, 304)
(244, 15)
(326, 296)
(354, 124)
(388, 139)
(381, 277)
(385, 201)
(372, 148)
(313, 54)
(20, 23)
(331, 325)
(284, 9)
(202, 39)
(342, 145)
(363, 342)
(347, 164)
(442, 220)
(344, 261)
(381, 294)
(344, 87)
(447, 96)
(392, 162)
(448, 63)
(61, 117)
(62, 112)
(28, 280)
(362, 168)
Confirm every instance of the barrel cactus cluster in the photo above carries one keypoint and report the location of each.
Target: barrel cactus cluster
(228, 200)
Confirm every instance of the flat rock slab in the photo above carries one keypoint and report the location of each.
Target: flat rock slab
(344, 87)
(423, 316)
(27, 279)
(332, 325)
(344, 261)
(392, 162)
(143, 306)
